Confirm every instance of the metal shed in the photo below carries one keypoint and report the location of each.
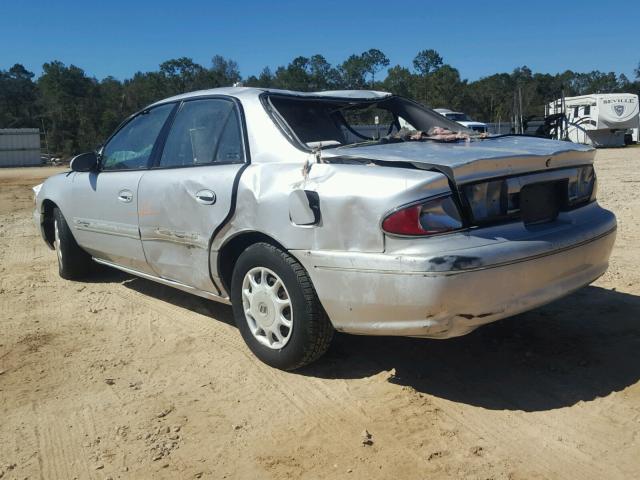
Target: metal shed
(19, 147)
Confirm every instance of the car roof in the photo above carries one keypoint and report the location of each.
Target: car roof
(241, 92)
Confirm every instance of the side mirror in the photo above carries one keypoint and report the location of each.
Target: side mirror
(85, 162)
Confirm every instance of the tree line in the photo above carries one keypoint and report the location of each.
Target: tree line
(78, 112)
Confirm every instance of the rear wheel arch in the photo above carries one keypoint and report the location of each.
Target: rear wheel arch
(233, 247)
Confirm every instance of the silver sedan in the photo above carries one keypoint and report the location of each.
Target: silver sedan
(355, 211)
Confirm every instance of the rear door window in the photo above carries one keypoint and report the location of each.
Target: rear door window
(204, 132)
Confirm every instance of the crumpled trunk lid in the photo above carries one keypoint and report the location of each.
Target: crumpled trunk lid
(465, 162)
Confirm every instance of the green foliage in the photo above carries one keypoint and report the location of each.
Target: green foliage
(427, 62)
(223, 72)
(374, 60)
(322, 76)
(399, 81)
(352, 72)
(18, 95)
(79, 112)
(294, 76)
(69, 106)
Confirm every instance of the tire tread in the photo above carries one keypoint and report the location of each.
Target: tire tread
(319, 326)
(76, 262)
(322, 330)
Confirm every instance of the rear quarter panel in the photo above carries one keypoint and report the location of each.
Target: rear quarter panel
(353, 201)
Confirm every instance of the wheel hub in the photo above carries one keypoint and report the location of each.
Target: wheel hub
(263, 309)
(267, 307)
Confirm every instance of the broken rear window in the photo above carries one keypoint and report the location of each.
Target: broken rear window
(329, 122)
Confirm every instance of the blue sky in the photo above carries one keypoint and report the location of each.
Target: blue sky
(479, 38)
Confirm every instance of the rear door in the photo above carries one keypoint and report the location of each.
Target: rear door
(187, 195)
(105, 209)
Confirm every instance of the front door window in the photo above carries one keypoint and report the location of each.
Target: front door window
(130, 148)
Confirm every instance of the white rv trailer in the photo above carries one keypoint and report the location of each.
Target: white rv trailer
(601, 120)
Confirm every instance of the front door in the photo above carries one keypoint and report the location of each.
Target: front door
(105, 210)
(188, 193)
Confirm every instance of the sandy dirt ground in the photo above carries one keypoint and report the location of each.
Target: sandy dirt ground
(118, 377)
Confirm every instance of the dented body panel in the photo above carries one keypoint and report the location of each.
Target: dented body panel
(175, 230)
(448, 288)
(327, 207)
(470, 161)
(353, 199)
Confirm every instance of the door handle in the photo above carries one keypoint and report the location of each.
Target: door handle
(206, 197)
(125, 196)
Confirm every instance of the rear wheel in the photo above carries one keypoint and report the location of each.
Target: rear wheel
(73, 262)
(277, 310)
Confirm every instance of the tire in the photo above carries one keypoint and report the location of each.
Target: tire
(73, 262)
(628, 139)
(310, 331)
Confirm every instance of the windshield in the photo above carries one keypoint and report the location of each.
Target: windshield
(320, 122)
(458, 117)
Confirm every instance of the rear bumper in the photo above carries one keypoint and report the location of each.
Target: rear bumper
(450, 293)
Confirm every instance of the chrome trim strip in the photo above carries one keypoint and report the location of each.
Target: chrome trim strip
(107, 228)
(164, 281)
(448, 273)
(163, 234)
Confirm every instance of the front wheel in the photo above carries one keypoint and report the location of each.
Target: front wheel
(277, 310)
(73, 262)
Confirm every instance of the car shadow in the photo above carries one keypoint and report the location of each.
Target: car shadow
(188, 301)
(576, 349)
(582, 347)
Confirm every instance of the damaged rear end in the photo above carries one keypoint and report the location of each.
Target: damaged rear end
(496, 180)
(481, 228)
(515, 226)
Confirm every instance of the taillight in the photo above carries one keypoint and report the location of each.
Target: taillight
(437, 215)
(583, 187)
